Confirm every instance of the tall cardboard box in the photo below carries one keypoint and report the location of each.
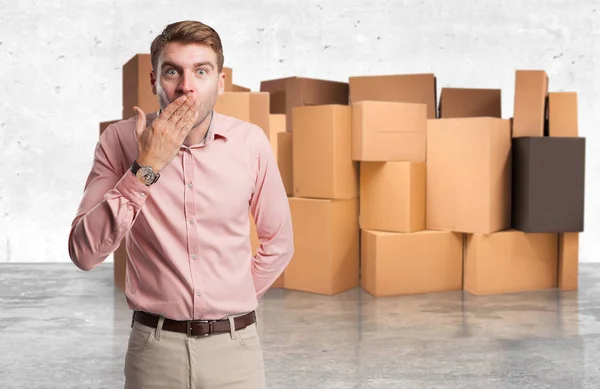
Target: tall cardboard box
(568, 261)
(285, 160)
(409, 263)
(530, 104)
(252, 107)
(137, 89)
(392, 196)
(322, 147)
(470, 102)
(402, 88)
(388, 131)
(510, 261)
(276, 126)
(326, 246)
(548, 184)
(563, 117)
(291, 92)
(468, 175)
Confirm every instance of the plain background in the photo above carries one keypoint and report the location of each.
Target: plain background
(60, 75)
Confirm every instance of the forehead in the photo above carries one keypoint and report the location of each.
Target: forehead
(187, 54)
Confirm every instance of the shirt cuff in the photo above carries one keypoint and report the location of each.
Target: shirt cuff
(132, 189)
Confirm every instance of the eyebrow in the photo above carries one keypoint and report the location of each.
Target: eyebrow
(197, 64)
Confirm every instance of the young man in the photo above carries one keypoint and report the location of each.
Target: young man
(178, 185)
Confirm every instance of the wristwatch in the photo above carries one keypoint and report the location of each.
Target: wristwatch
(144, 173)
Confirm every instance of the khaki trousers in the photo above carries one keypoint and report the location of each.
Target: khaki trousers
(158, 358)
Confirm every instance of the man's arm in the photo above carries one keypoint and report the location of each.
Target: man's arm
(110, 205)
(271, 211)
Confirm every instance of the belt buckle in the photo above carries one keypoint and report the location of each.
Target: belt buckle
(210, 323)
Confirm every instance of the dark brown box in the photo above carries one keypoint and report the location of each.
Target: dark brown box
(464, 103)
(402, 88)
(548, 184)
(137, 90)
(290, 92)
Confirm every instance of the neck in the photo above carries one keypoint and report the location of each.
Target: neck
(197, 134)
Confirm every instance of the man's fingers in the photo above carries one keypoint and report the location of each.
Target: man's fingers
(172, 108)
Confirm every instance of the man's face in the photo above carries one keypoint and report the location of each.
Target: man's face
(184, 68)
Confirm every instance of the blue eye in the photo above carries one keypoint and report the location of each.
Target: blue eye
(202, 70)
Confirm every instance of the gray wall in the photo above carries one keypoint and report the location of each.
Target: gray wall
(60, 74)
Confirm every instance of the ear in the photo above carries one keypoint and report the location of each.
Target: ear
(221, 81)
(153, 82)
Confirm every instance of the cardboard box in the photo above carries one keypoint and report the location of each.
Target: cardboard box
(288, 93)
(239, 88)
(563, 114)
(388, 131)
(530, 105)
(322, 147)
(255, 243)
(548, 184)
(402, 88)
(510, 261)
(410, 263)
(392, 196)
(468, 175)
(252, 107)
(285, 160)
(137, 89)
(568, 261)
(464, 102)
(276, 126)
(326, 246)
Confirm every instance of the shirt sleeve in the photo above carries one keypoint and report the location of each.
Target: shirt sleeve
(110, 204)
(270, 208)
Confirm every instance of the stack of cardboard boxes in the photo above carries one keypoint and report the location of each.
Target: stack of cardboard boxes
(398, 194)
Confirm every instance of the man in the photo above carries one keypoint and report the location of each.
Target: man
(178, 185)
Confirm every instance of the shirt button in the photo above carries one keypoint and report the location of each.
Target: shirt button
(192, 221)
(143, 195)
(193, 256)
(198, 293)
(189, 185)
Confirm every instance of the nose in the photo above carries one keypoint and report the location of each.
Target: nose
(185, 84)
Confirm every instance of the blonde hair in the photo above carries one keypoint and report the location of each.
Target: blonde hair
(187, 31)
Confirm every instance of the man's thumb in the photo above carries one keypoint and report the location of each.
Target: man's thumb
(140, 124)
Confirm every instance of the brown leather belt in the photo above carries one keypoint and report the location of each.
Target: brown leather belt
(196, 327)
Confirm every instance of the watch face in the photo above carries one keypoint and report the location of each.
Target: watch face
(146, 175)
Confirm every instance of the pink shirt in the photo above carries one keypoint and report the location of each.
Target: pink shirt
(187, 235)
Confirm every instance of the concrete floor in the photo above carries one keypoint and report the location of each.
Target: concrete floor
(63, 328)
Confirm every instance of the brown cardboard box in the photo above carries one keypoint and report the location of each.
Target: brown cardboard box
(563, 114)
(322, 147)
(326, 246)
(403, 88)
(510, 261)
(463, 102)
(104, 125)
(568, 261)
(255, 243)
(239, 88)
(548, 190)
(252, 107)
(392, 196)
(530, 105)
(468, 175)
(388, 131)
(288, 93)
(137, 90)
(285, 160)
(276, 126)
(411, 263)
